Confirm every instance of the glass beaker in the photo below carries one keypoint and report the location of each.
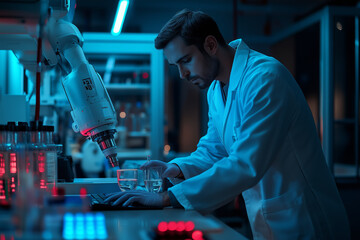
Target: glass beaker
(152, 179)
(127, 179)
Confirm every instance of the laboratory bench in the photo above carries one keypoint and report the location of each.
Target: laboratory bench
(72, 219)
(125, 224)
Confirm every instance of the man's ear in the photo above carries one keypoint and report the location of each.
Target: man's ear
(210, 45)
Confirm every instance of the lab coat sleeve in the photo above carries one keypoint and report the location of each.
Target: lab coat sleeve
(266, 104)
(209, 150)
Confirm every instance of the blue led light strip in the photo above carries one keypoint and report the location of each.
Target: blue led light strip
(119, 17)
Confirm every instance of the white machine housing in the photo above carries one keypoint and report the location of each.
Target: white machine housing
(92, 110)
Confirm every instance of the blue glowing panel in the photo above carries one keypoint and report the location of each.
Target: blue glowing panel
(84, 226)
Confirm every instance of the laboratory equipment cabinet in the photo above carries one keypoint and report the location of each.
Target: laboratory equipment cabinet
(133, 74)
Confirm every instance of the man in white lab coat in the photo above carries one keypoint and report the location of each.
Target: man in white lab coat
(261, 140)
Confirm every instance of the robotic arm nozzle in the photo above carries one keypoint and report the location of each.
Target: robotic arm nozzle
(92, 110)
(107, 145)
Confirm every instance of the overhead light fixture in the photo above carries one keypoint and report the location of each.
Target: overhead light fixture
(119, 17)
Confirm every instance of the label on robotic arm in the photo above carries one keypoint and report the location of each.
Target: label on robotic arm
(88, 86)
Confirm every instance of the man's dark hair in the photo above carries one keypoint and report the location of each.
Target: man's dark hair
(192, 27)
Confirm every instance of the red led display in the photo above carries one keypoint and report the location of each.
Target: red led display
(162, 226)
(12, 162)
(41, 162)
(197, 235)
(42, 183)
(180, 226)
(172, 226)
(179, 230)
(83, 192)
(2, 190)
(189, 226)
(2, 164)
(12, 184)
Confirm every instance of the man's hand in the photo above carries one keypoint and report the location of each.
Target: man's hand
(170, 170)
(130, 197)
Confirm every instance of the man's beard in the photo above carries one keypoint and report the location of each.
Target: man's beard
(214, 65)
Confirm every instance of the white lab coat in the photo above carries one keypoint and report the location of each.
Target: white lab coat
(263, 144)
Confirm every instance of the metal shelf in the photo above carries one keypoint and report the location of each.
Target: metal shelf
(124, 68)
(129, 153)
(128, 86)
(139, 134)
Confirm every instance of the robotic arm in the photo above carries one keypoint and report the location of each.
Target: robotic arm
(92, 110)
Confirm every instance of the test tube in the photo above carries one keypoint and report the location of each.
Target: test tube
(51, 156)
(37, 155)
(22, 153)
(12, 158)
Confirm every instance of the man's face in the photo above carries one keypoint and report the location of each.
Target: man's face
(195, 66)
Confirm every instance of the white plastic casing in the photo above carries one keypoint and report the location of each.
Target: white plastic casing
(92, 109)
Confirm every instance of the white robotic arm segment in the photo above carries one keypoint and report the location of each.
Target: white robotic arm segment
(92, 109)
(62, 34)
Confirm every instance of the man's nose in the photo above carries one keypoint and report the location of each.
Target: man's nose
(184, 73)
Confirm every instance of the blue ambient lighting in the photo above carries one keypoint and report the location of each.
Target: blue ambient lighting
(119, 17)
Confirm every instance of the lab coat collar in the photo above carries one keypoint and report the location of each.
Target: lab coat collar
(239, 63)
(237, 69)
